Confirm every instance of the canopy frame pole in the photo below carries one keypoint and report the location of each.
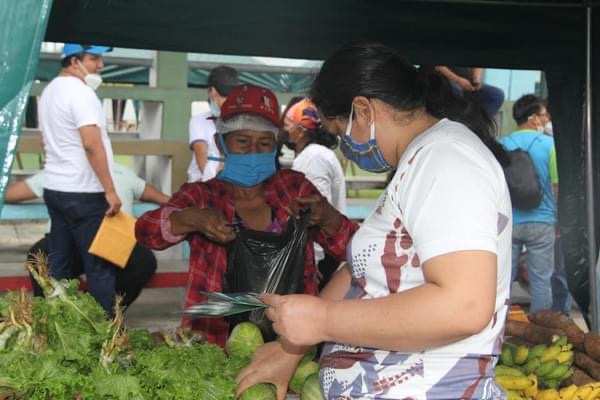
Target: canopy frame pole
(589, 177)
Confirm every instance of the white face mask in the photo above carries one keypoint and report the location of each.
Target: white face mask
(539, 128)
(92, 80)
(215, 110)
(548, 128)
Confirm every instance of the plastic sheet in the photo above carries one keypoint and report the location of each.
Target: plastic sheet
(22, 29)
(264, 262)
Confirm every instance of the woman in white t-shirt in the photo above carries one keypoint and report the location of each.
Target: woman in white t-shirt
(316, 159)
(419, 312)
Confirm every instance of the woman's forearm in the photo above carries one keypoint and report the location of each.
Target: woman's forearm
(425, 317)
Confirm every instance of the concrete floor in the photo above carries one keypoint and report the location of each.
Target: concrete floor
(156, 309)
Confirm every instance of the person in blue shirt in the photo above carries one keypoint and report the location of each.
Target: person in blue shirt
(535, 228)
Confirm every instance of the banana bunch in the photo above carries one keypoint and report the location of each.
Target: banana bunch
(523, 371)
(591, 391)
(517, 385)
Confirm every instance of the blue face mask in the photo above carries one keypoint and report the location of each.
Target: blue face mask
(215, 110)
(366, 155)
(246, 170)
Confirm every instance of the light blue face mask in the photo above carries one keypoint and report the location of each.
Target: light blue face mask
(245, 170)
(215, 110)
(366, 155)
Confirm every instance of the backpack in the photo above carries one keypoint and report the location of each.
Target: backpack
(523, 180)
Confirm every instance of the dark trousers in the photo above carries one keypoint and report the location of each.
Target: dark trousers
(129, 281)
(75, 219)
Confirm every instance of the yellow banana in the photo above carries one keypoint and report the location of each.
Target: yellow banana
(548, 394)
(514, 395)
(583, 392)
(565, 357)
(532, 390)
(568, 393)
(594, 394)
(550, 353)
(520, 355)
(513, 382)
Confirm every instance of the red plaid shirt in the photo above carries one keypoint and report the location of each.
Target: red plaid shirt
(208, 260)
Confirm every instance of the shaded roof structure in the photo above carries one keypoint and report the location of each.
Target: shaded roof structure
(133, 66)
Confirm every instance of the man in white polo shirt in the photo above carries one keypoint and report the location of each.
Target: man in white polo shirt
(78, 186)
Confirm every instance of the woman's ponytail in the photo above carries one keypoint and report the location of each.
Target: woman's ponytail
(442, 101)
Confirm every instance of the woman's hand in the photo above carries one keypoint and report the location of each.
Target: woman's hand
(210, 222)
(298, 318)
(322, 214)
(273, 363)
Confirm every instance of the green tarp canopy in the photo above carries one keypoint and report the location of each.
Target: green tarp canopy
(548, 35)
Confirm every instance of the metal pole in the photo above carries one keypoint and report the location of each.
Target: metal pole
(589, 178)
(510, 81)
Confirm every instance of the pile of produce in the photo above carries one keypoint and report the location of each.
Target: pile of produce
(63, 347)
(246, 337)
(549, 357)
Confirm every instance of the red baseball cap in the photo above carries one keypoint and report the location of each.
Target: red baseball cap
(250, 99)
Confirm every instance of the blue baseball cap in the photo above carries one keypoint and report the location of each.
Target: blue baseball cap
(73, 48)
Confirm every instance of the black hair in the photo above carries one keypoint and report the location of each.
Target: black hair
(526, 106)
(65, 62)
(319, 136)
(376, 71)
(224, 79)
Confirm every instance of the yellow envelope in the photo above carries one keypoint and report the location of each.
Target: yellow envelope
(115, 239)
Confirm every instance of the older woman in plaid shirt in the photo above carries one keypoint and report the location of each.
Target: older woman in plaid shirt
(248, 189)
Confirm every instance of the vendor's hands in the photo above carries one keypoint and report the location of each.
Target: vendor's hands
(271, 363)
(297, 318)
(322, 214)
(208, 221)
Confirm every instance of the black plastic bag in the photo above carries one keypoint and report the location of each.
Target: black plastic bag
(266, 262)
